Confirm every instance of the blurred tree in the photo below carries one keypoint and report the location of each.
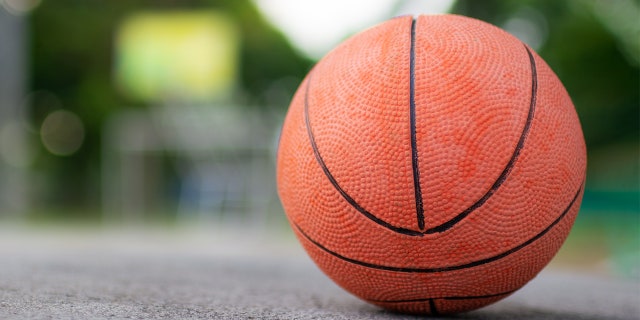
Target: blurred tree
(72, 56)
(71, 68)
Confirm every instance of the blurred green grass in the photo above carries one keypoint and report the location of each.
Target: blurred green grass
(604, 241)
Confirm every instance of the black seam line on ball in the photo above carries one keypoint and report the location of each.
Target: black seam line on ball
(448, 268)
(516, 153)
(432, 306)
(447, 298)
(412, 114)
(449, 224)
(333, 181)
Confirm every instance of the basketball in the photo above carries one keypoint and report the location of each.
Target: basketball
(431, 164)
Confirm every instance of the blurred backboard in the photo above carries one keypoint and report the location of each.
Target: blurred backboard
(187, 55)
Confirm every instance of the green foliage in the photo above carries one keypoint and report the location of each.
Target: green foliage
(72, 56)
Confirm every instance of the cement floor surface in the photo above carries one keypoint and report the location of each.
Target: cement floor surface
(187, 274)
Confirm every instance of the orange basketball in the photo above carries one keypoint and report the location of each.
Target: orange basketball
(431, 165)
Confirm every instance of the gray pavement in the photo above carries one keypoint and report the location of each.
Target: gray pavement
(204, 274)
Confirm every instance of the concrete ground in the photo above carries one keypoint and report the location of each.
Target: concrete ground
(197, 273)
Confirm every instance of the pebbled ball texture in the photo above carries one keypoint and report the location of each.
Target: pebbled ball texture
(431, 165)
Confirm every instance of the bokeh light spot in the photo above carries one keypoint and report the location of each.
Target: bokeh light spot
(530, 26)
(62, 133)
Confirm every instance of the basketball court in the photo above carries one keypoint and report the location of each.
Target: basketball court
(201, 273)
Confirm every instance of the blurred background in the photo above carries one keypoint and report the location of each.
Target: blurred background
(166, 113)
